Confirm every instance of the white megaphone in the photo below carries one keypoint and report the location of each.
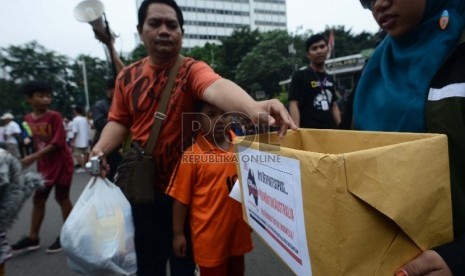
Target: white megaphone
(91, 11)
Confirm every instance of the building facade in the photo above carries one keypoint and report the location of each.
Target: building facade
(210, 20)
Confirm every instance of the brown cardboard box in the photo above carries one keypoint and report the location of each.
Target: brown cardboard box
(371, 200)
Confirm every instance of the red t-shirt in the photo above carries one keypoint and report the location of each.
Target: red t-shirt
(57, 166)
(202, 180)
(135, 101)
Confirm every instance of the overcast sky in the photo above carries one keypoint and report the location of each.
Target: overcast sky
(52, 24)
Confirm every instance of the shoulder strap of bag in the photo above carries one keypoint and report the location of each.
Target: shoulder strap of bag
(160, 115)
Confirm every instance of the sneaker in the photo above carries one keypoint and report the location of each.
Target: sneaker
(55, 247)
(79, 170)
(25, 244)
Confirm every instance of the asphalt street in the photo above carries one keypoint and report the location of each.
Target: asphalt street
(261, 261)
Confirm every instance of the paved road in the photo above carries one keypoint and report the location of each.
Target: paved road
(259, 262)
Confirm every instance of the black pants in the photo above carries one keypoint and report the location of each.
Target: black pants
(154, 238)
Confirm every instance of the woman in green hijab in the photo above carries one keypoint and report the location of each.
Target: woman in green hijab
(415, 82)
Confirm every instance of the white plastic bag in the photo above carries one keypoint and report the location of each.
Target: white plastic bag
(98, 236)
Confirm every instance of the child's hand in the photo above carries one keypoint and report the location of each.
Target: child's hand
(179, 245)
(28, 160)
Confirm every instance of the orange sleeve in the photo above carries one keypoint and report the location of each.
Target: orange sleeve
(201, 77)
(182, 181)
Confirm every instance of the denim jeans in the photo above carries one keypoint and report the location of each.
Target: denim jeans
(154, 238)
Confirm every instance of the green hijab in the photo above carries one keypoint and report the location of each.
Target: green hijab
(393, 88)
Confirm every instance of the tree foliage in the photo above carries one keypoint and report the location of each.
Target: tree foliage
(268, 62)
(97, 72)
(32, 61)
(235, 48)
(272, 59)
(347, 43)
(211, 54)
(256, 61)
(138, 53)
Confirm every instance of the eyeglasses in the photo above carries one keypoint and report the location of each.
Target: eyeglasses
(367, 4)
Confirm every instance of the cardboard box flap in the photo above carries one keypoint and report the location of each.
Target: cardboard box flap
(371, 200)
(330, 141)
(388, 187)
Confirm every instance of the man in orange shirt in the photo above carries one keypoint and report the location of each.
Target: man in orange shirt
(200, 187)
(138, 90)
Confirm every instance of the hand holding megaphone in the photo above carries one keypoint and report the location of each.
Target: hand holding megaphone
(103, 36)
(93, 12)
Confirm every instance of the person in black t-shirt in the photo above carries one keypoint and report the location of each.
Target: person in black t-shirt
(312, 99)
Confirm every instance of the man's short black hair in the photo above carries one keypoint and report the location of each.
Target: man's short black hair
(78, 110)
(31, 87)
(314, 39)
(110, 83)
(142, 13)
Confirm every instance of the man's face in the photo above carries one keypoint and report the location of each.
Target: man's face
(317, 52)
(161, 33)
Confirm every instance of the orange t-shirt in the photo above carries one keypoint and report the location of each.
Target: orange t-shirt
(203, 178)
(137, 93)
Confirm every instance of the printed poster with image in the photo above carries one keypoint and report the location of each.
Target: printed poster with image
(272, 197)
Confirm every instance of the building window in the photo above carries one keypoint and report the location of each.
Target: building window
(214, 24)
(270, 23)
(214, 11)
(205, 37)
(271, 1)
(270, 12)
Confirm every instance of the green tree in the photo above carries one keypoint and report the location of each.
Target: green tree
(235, 48)
(256, 61)
(138, 53)
(97, 72)
(33, 62)
(9, 96)
(211, 54)
(347, 43)
(267, 64)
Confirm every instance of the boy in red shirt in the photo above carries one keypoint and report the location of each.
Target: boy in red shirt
(54, 162)
(200, 186)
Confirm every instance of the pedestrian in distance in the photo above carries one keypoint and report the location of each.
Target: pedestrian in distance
(200, 186)
(67, 124)
(12, 134)
(137, 92)
(54, 162)
(100, 113)
(26, 147)
(80, 141)
(415, 82)
(312, 96)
